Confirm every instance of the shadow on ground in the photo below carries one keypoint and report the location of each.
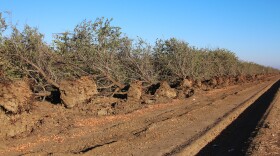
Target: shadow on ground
(236, 138)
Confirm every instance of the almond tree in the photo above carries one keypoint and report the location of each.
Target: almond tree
(140, 64)
(173, 58)
(26, 55)
(93, 47)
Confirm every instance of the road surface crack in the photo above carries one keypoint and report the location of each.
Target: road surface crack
(93, 147)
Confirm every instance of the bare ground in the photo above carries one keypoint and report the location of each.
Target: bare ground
(158, 129)
(267, 140)
(237, 137)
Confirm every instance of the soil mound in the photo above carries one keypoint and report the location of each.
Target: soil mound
(185, 89)
(198, 83)
(213, 82)
(17, 125)
(240, 79)
(220, 80)
(15, 96)
(165, 91)
(226, 82)
(187, 83)
(185, 93)
(135, 91)
(77, 91)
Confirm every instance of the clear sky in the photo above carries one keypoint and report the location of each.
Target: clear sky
(250, 28)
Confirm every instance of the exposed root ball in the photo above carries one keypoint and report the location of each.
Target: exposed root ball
(77, 91)
(165, 91)
(15, 96)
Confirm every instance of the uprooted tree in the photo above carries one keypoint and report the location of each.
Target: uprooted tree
(99, 50)
(26, 55)
(94, 48)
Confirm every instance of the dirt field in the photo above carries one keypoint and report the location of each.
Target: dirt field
(238, 136)
(267, 140)
(152, 129)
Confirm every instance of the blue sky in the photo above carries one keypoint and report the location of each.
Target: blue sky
(250, 28)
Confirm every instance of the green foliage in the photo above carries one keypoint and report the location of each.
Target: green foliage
(223, 62)
(3, 26)
(178, 60)
(139, 63)
(24, 54)
(94, 47)
(102, 51)
(174, 58)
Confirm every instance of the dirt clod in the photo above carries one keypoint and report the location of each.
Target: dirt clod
(102, 112)
(185, 93)
(135, 91)
(77, 91)
(240, 79)
(213, 82)
(15, 96)
(198, 83)
(187, 83)
(165, 91)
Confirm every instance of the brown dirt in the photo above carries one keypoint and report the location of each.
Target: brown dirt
(15, 96)
(135, 91)
(198, 83)
(186, 83)
(214, 82)
(165, 91)
(236, 137)
(73, 92)
(267, 140)
(185, 89)
(155, 129)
